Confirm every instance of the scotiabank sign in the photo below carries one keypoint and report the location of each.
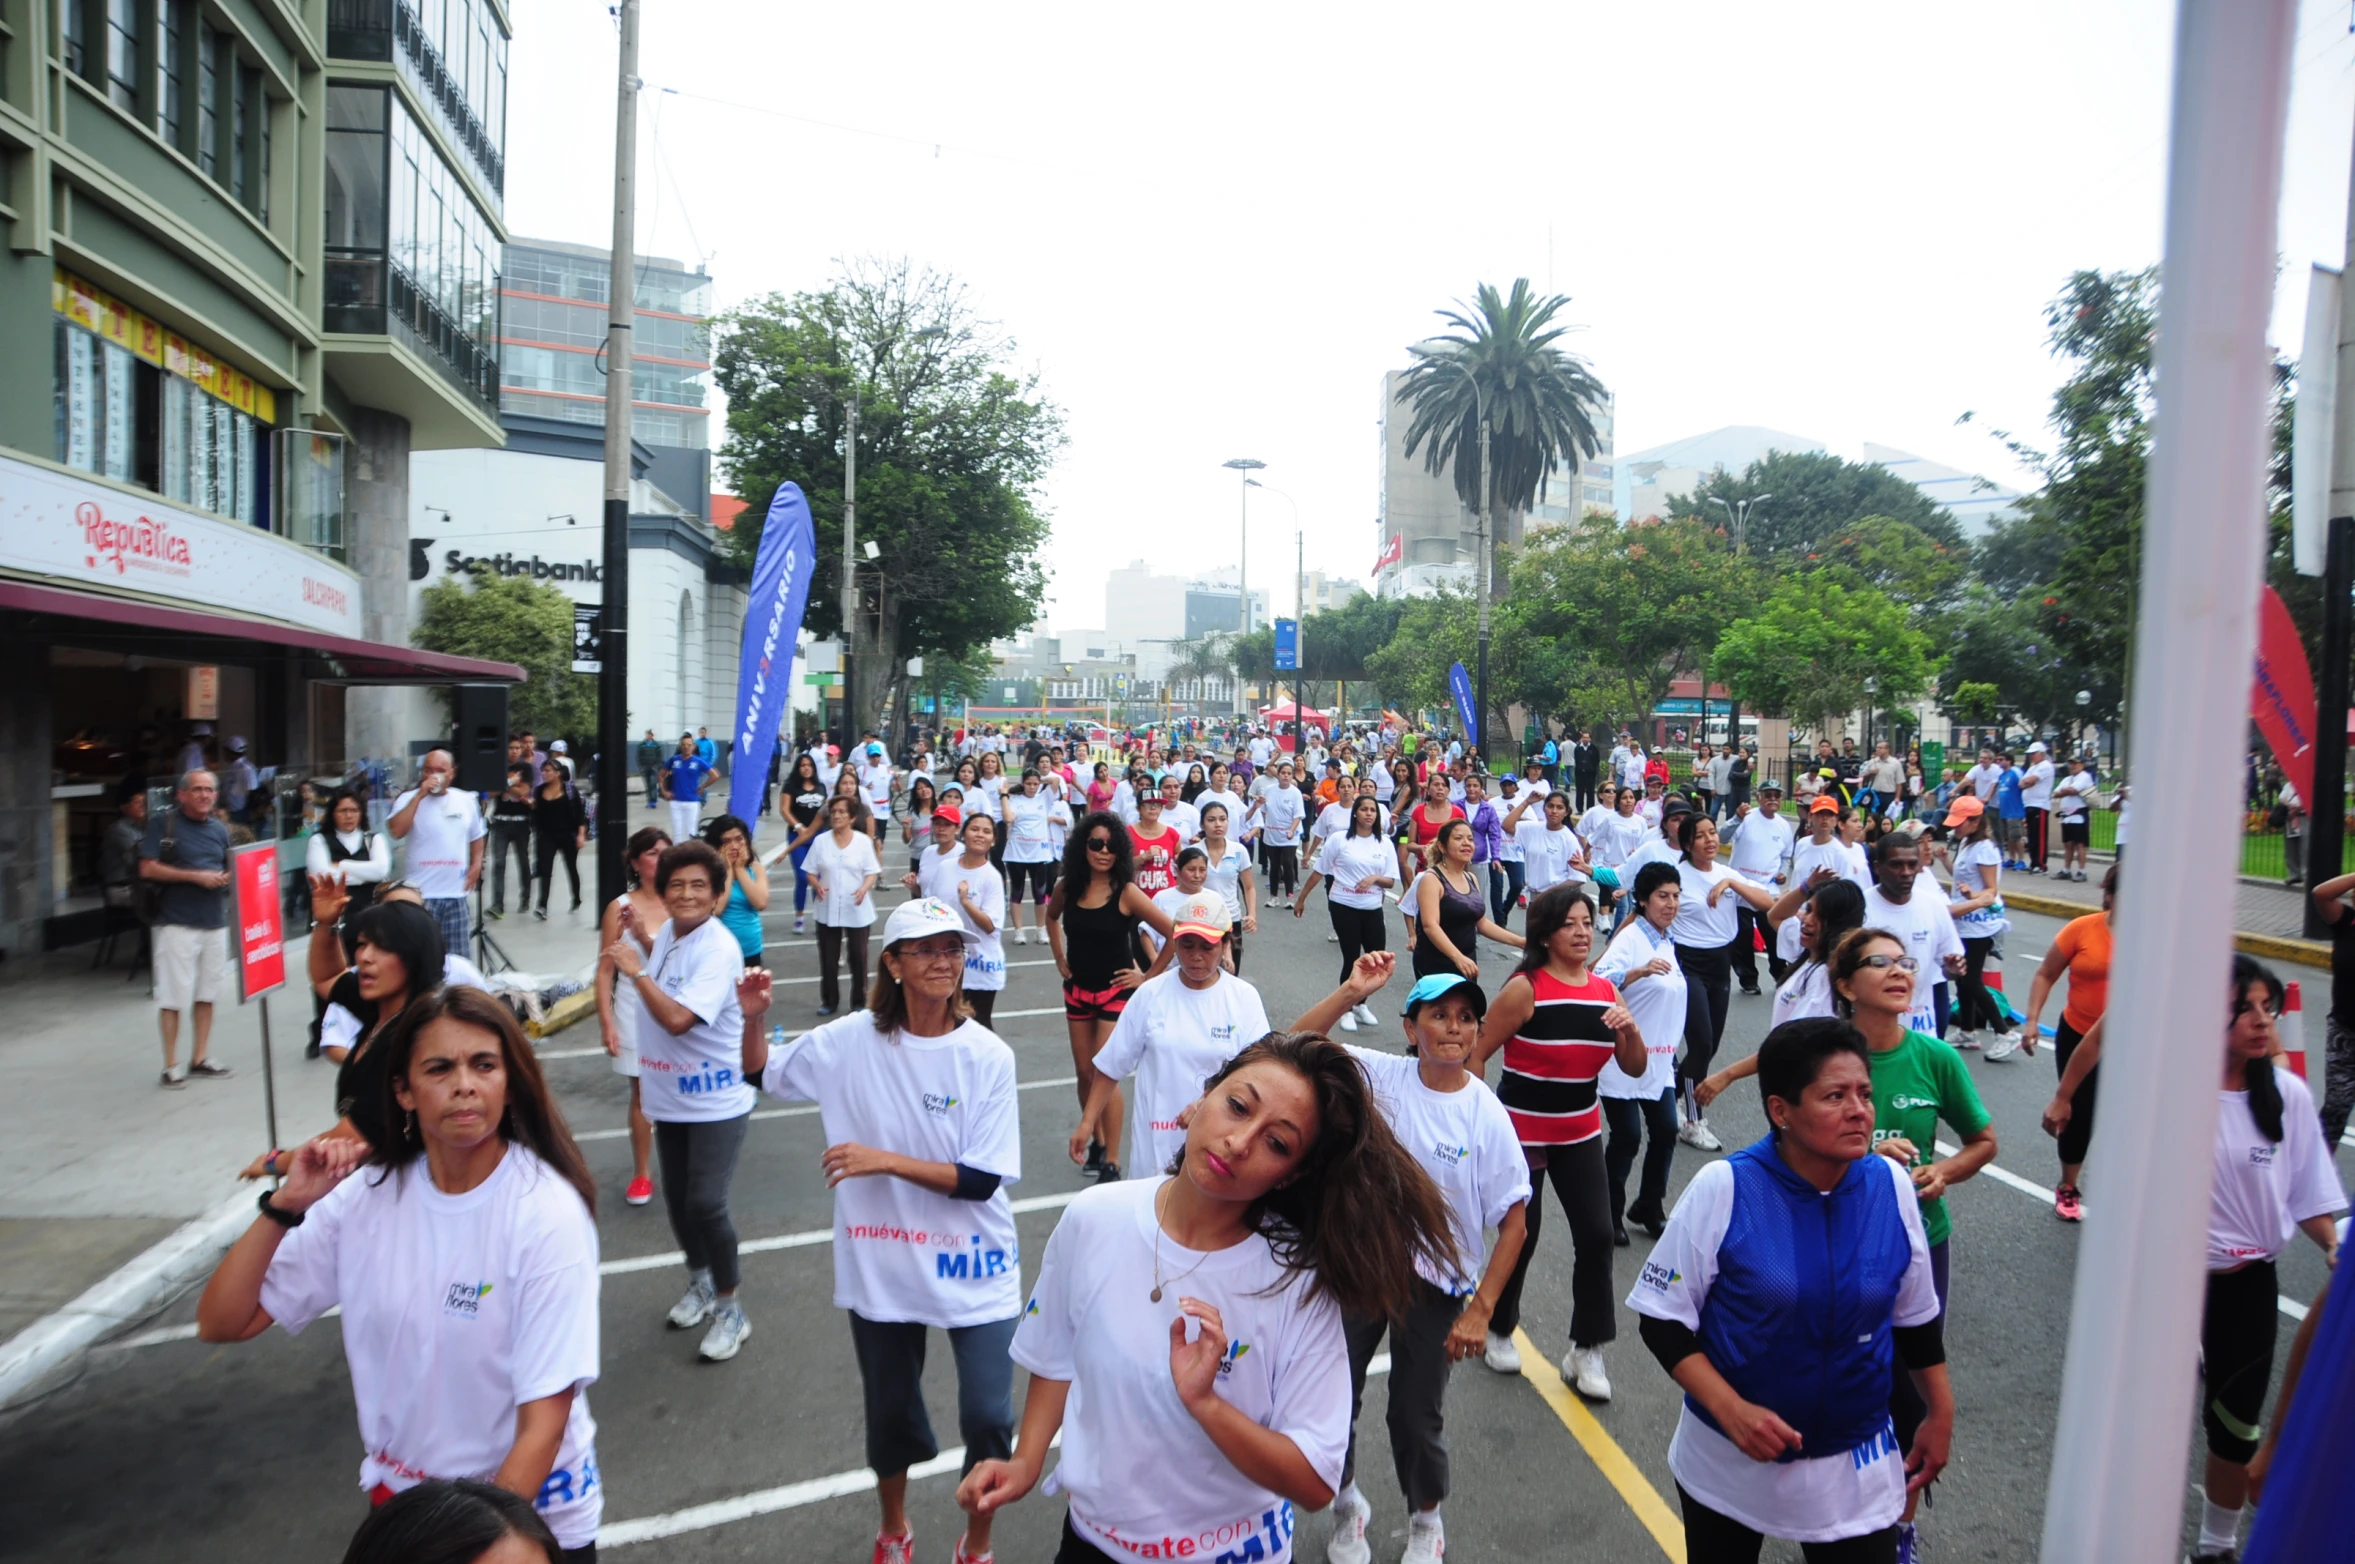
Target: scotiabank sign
(61, 526)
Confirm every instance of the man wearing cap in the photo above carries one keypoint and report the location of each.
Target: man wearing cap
(1762, 843)
(683, 776)
(1175, 1033)
(561, 753)
(2036, 795)
(875, 781)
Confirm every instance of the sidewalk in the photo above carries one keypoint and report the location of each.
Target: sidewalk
(116, 1193)
(2269, 919)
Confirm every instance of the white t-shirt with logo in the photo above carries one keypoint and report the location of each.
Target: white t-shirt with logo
(1173, 1038)
(875, 783)
(1345, 860)
(1030, 827)
(1843, 859)
(2263, 1190)
(1697, 923)
(1281, 810)
(1145, 1482)
(1225, 880)
(1760, 845)
(1465, 1141)
(695, 1076)
(845, 869)
(1807, 1500)
(936, 873)
(1657, 1003)
(457, 1309)
(985, 954)
(901, 1252)
(1927, 928)
(1545, 854)
(434, 853)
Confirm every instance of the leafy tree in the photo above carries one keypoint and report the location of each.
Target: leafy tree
(1808, 651)
(1996, 642)
(513, 619)
(1813, 496)
(1503, 359)
(1890, 556)
(953, 445)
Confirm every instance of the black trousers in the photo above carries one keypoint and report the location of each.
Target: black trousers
(1586, 793)
(1708, 994)
(698, 1166)
(514, 839)
(1360, 929)
(2039, 836)
(2077, 1134)
(1744, 951)
(1581, 1184)
(553, 849)
(1976, 1007)
(1651, 1120)
(1711, 1538)
(1418, 1391)
(830, 942)
(1283, 868)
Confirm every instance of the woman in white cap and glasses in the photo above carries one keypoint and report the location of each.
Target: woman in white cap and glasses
(918, 1104)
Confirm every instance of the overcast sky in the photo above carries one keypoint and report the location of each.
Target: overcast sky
(1212, 229)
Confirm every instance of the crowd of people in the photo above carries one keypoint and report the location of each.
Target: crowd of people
(1270, 1203)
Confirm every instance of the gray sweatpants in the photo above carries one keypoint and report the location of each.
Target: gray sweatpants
(1418, 1391)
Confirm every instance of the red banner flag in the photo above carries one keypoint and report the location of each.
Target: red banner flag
(2281, 697)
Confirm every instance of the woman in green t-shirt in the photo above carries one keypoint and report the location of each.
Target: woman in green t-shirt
(1917, 1080)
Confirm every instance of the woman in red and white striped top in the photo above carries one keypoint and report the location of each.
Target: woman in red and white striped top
(1558, 1024)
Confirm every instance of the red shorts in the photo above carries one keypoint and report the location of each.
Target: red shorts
(1094, 1004)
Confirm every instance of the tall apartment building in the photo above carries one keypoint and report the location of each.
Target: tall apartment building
(252, 264)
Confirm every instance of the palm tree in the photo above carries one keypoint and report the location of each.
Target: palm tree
(1502, 359)
(1203, 660)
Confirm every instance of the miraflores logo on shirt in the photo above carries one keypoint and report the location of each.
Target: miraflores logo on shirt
(939, 1103)
(1263, 1536)
(1235, 1353)
(464, 1299)
(693, 1080)
(1659, 1277)
(978, 1263)
(1453, 1156)
(1223, 1033)
(2261, 1156)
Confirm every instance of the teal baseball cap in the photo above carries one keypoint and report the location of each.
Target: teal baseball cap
(1427, 989)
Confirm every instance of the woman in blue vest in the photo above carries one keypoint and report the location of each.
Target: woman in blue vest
(1791, 1274)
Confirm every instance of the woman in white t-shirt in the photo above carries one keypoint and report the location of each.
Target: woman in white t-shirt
(987, 797)
(1642, 964)
(1280, 813)
(1977, 905)
(620, 1015)
(980, 896)
(1360, 865)
(464, 1262)
(1200, 1315)
(1031, 854)
(843, 869)
(923, 1137)
(1227, 874)
(1704, 934)
(691, 1077)
(2274, 1180)
(1550, 851)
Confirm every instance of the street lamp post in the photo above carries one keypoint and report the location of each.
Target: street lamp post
(1244, 467)
(1739, 511)
(1298, 614)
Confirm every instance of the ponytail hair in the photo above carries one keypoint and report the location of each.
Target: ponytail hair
(2264, 1091)
(1360, 1211)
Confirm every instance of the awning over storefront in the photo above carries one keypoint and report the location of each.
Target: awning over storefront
(349, 661)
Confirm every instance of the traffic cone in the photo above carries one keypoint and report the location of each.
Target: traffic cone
(2293, 1031)
(1993, 977)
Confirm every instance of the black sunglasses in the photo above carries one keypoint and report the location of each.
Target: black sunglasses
(1099, 844)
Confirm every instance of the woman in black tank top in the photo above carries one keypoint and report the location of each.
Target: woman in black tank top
(1091, 922)
(1451, 916)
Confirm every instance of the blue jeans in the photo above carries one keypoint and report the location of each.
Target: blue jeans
(801, 881)
(1506, 876)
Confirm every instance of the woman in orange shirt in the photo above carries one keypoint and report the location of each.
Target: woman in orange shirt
(2082, 950)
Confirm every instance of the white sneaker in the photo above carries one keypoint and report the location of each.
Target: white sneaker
(1965, 1041)
(1503, 1354)
(1366, 1016)
(1583, 1367)
(728, 1330)
(1349, 1545)
(1425, 1541)
(1695, 1133)
(1349, 1021)
(2002, 1046)
(696, 1307)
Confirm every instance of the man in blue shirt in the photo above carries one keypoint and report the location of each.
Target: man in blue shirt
(682, 783)
(2011, 806)
(705, 750)
(1553, 763)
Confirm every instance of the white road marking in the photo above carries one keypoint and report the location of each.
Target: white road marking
(805, 1112)
(2289, 1306)
(792, 1496)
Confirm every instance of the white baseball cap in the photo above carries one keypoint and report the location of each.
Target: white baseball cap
(920, 919)
(558, 748)
(1203, 915)
(2036, 748)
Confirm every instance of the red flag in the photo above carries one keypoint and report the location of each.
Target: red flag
(2281, 697)
(1391, 554)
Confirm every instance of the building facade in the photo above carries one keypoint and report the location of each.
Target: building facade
(1148, 606)
(252, 265)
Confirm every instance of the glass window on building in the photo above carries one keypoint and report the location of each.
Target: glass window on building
(123, 418)
(210, 57)
(122, 54)
(169, 111)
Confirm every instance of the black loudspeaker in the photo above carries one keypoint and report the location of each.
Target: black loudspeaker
(480, 745)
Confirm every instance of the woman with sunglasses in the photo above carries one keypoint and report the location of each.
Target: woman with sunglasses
(923, 1136)
(1092, 921)
(1916, 1081)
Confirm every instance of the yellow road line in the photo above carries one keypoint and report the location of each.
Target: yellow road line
(1666, 1527)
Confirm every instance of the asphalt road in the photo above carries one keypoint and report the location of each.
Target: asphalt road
(181, 1451)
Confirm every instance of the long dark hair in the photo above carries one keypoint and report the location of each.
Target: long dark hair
(2264, 1090)
(1076, 872)
(1195, 783)
(928, 802)
(1359, 1211)
(805, 761)
(407, 933)
(532, 1119)
(1549, 909)
(448, 1521)
(716, 829)
(1839, 909)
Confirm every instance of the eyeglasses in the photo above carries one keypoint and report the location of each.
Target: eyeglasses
(1882, 963)
(1099, 844)
(954, 952)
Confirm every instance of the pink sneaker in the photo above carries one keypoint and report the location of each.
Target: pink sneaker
(895, 1550)
(2067, 1204)
(962, 1556)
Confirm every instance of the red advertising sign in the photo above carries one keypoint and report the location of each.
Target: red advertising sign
(2281, 697)
(261, 920)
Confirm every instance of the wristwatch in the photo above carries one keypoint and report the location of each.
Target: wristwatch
(282, 1218)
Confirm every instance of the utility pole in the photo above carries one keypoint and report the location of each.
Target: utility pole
(850, 569)
(1299, 633)
(1479, 734)
(2326, 811)
(613, 677)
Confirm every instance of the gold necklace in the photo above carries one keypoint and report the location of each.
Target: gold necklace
(1182, 1275)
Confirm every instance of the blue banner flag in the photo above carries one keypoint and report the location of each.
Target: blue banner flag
(1287, 645)
(772, 625)
(1461, 683)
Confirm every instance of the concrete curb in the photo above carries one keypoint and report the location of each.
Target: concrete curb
(121, 1299)
(2273, 947)
(572, 1007)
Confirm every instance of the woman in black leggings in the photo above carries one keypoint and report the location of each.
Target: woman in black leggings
(560, 828)
(1706, 926)
(1360, 867)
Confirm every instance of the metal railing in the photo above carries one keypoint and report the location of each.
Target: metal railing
(390, 30)
(367, 294)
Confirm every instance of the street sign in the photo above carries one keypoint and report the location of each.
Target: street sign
(824, 681)
(1287, 645)
(588, 637)
(261, 920)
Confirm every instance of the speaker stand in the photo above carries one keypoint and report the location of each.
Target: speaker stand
(487, 952)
